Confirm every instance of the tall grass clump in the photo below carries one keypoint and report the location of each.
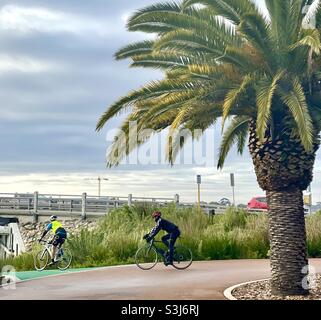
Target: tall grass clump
(233, 219)
(313, 225)
(234, 235)
(20, 263)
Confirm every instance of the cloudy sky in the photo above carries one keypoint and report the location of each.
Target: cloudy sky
(57, 76)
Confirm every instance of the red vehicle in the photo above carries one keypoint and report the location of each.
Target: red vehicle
(258, 203)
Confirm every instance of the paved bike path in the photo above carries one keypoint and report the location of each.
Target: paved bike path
(203, 280)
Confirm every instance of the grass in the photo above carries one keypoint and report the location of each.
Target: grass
(234, 235)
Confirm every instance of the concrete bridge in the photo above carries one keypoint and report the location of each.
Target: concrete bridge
(36, 206)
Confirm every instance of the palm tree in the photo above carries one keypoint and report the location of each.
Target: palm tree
(259, 74)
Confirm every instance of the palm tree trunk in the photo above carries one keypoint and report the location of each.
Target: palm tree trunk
(288, 241)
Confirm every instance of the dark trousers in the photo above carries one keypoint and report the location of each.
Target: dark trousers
(169, 240)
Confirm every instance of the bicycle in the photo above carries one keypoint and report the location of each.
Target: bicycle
(42, 258)
(147, 256)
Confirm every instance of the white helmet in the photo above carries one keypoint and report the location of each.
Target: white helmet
(53, 218)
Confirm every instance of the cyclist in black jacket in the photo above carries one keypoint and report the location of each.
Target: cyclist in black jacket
(169, 239)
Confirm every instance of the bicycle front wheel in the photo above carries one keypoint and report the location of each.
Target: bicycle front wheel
(41, 260)
(146, 258)
(65, 260)
(183, 257)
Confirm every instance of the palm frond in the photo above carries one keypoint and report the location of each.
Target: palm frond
(139, 21)
(138, 48)
(265, 92)
(256, 31)
(280, 15)
(237, 128)
(233, 10)
(189, 41)
(200, 118)
(233, 96)
(154, 89)
(311, 39)
(238, 57)
(160, 60)
(295, 100)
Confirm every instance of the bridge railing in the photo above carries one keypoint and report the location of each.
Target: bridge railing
(35, 203)
(73, 204)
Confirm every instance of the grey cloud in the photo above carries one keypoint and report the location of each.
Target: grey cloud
(48, 118)
(105, 9)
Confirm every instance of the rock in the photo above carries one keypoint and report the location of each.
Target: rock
(31, 232)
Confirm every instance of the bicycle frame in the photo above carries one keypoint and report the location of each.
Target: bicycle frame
(159, 251)
(48, 247)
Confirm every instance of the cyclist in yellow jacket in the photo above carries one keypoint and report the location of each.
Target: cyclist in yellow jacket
(60, 235)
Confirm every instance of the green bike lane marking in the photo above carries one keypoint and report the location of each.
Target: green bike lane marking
(29, 275)
(34, 274)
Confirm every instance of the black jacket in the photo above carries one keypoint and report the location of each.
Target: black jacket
(162, 224)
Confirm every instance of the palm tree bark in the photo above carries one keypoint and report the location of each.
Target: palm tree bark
(284, 169)
(287, 241)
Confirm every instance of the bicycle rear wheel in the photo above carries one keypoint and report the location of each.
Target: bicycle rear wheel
(146, 257)
(41, 260)
(183, 257)
(65, 260)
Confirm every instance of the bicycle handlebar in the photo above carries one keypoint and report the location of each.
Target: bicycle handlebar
(153, 241)
(44, 241)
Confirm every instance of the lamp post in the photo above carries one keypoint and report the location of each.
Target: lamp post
(99, 183)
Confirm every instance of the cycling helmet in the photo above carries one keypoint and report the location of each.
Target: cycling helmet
(156, 214)
(53, 218)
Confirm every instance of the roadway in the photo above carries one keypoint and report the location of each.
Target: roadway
(202, 281)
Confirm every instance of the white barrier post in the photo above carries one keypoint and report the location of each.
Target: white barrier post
(83, 205)
(176, 199)
(130, 199)
(35, 206)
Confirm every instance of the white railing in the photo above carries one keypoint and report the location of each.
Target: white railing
(11, 242)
